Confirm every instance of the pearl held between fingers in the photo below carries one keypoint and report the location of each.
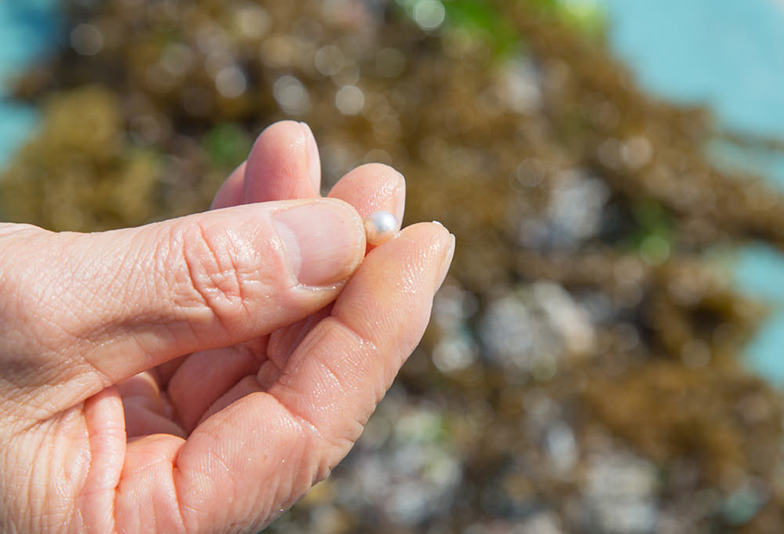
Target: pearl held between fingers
(379, 227)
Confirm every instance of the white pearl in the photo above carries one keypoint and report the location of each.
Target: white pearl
(379, 227)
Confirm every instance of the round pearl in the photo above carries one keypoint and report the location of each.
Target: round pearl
(379, 227)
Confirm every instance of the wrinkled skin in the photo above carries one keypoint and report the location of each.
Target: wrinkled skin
(182, 377)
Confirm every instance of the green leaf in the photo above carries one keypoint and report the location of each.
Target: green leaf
(482, 16)
(227, 145)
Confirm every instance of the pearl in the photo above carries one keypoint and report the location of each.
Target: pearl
(379, 227)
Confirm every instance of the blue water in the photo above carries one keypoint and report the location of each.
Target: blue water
(28, 30)
(728, 54)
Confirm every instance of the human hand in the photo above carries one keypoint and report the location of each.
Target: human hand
(199, 375)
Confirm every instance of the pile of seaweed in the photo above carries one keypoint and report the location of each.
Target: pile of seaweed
(581, 372)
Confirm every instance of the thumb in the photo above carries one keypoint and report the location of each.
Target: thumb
(110, 305)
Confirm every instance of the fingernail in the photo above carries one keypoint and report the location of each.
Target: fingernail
(314, 162)
(323, 241)
(447, 262)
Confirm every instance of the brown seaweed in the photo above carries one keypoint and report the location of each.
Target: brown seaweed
(582, 333)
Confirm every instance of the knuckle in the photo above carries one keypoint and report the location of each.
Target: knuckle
(25, 283)
(214, 278)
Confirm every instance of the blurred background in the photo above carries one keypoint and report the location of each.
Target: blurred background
(604, 356)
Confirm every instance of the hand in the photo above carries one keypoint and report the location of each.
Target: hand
(199, 375)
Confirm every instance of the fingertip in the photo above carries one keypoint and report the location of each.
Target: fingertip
(432, 232)
(282, 164)
(433, 244)
(371, 188)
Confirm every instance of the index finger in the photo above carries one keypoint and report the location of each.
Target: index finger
(294, 432)
(344, 367)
